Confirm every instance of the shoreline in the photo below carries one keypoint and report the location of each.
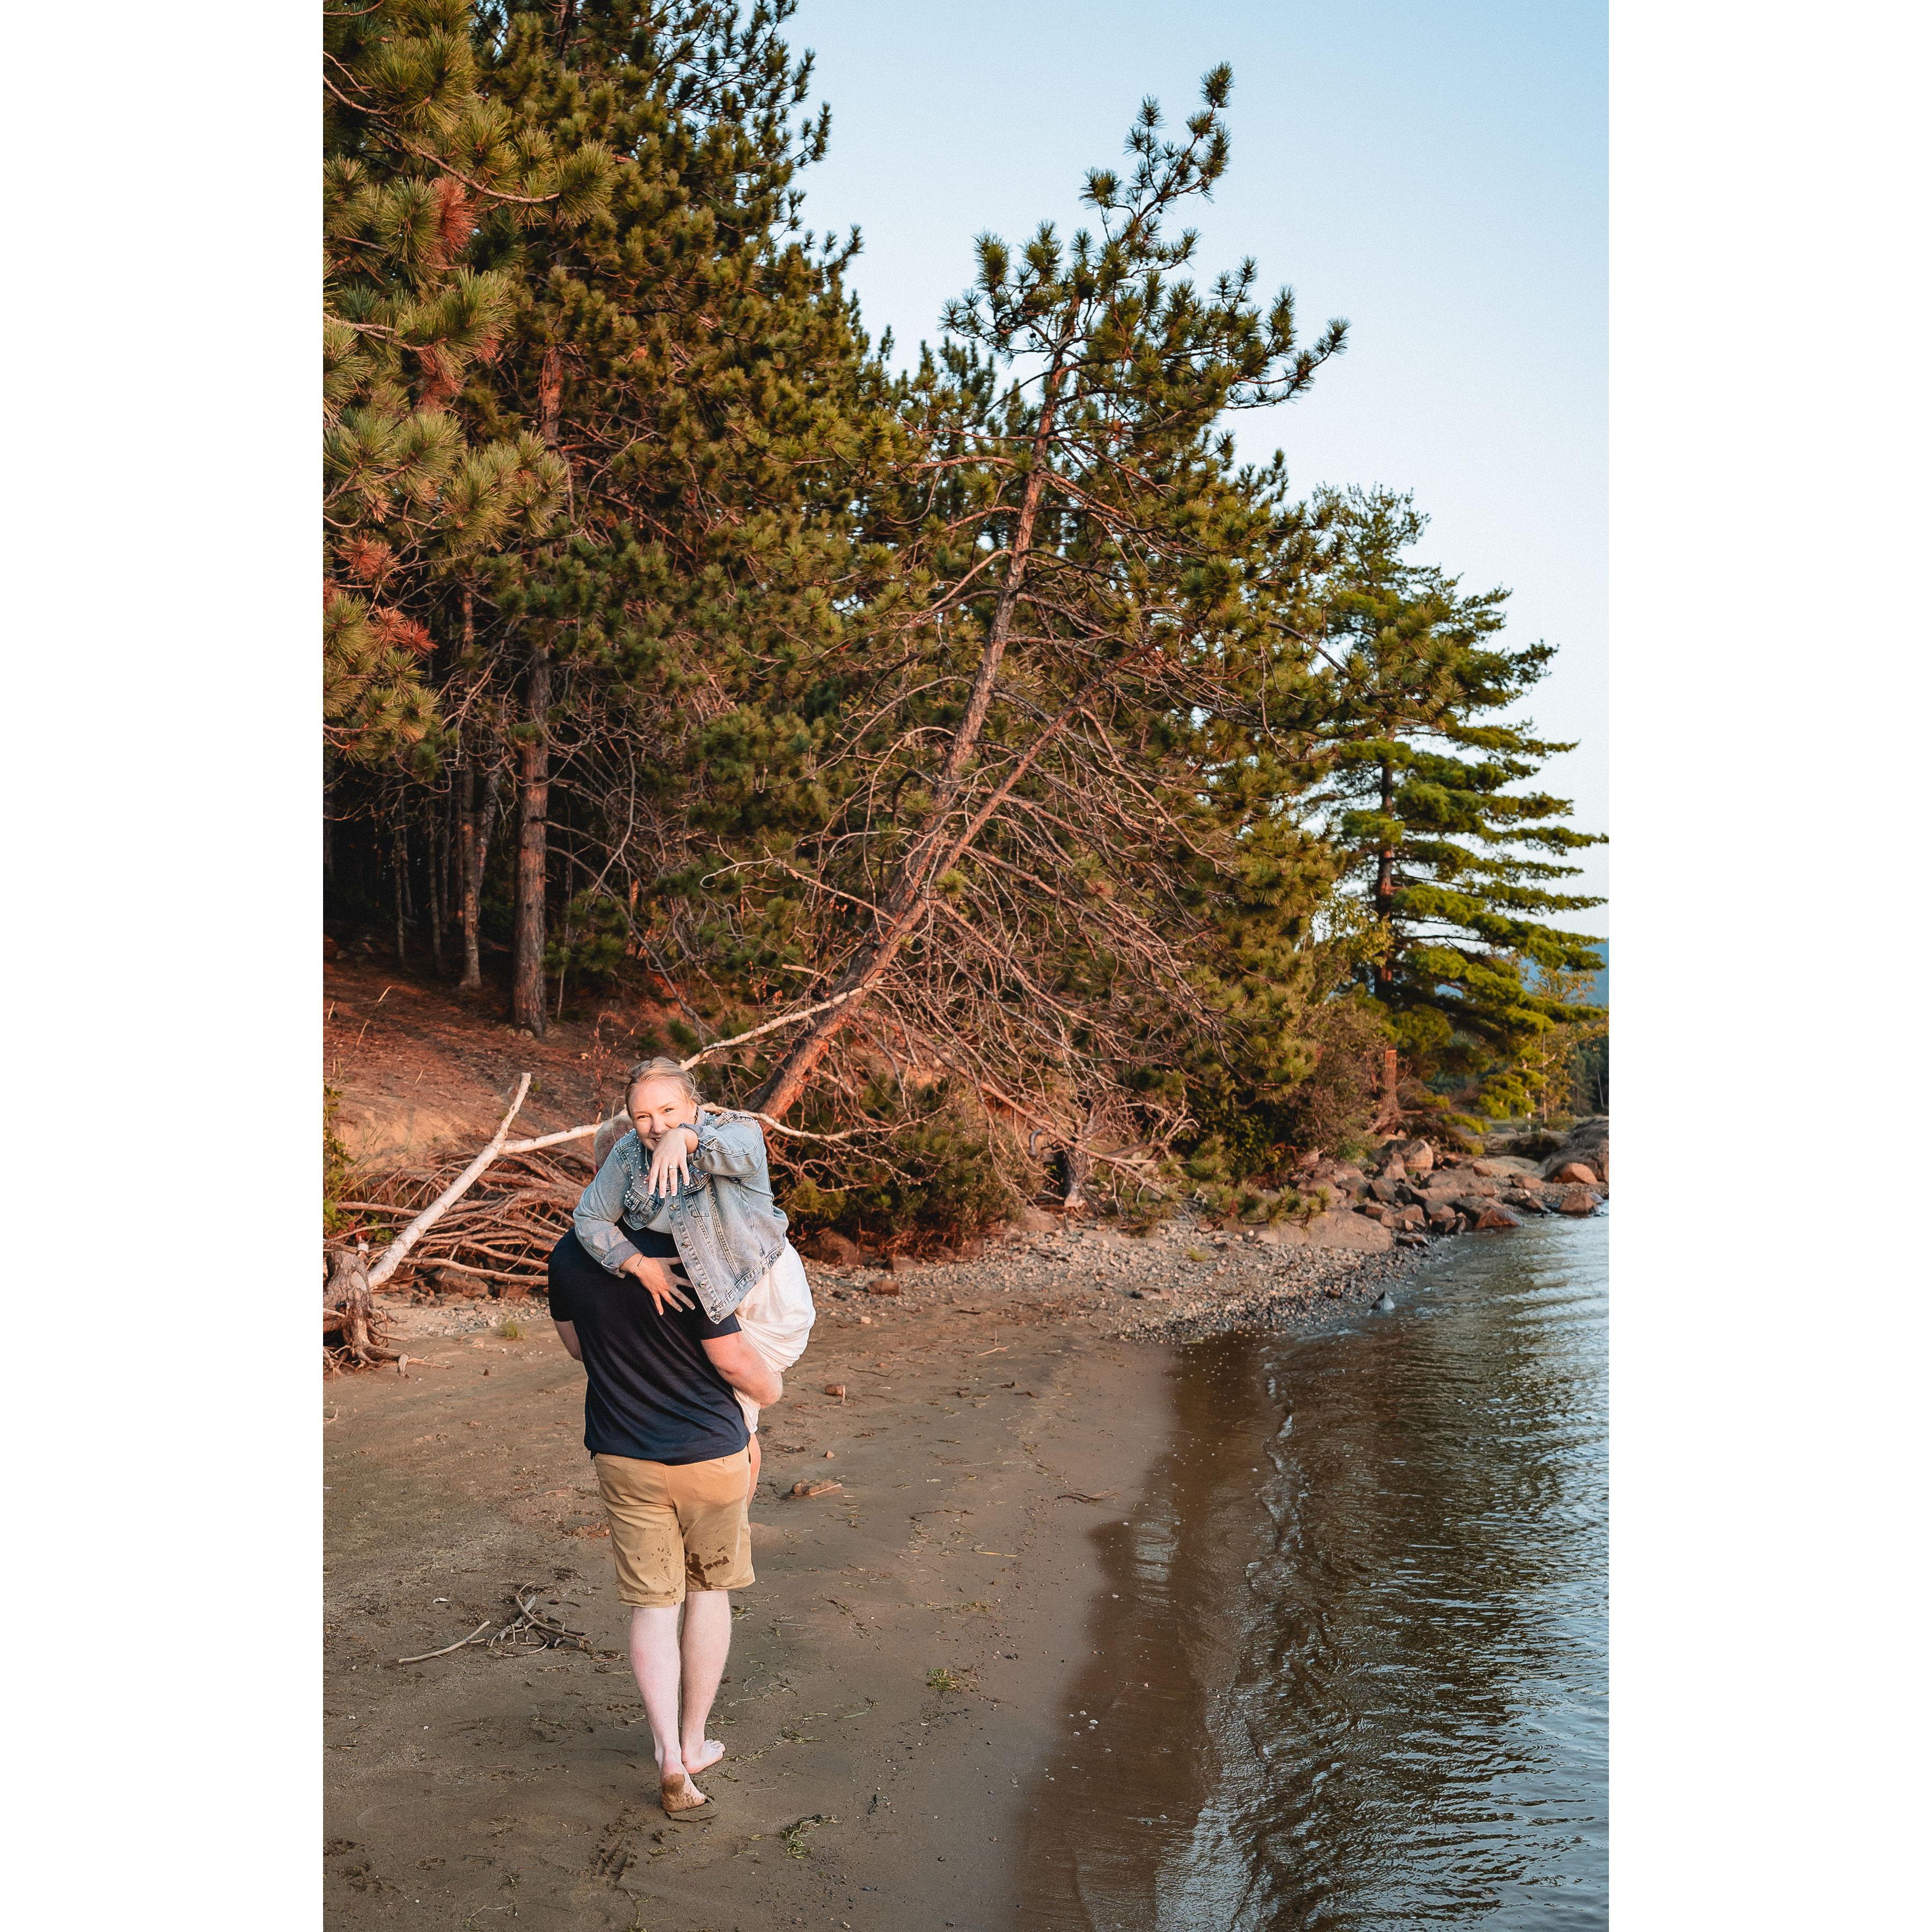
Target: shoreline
(996, 1426)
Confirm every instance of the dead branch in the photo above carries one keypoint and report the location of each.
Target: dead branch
(426, 1655)
(513, 1637)
(393, 1254)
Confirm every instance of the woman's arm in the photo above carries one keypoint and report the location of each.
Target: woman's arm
(730, 1146)
(600, 1234)
(595, 1218)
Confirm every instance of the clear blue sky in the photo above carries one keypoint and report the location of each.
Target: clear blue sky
(1434, 170)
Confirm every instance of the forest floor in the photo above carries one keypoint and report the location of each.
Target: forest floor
(860, 1789)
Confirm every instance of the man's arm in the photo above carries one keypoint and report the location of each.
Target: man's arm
(745, 1369)
(566, 1334)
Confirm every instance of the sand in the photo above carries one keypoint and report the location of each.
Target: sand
(1000, 1420)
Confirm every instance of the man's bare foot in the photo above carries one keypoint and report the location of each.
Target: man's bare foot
(702, 1755)
(680, 1798)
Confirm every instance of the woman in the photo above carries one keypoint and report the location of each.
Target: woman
(683, 1202)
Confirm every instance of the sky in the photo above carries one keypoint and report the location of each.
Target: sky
(1435, 171)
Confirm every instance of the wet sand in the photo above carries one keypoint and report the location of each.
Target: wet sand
(981, 1417)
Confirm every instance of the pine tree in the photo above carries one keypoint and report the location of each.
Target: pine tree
(411, 153)
(693, 362)
(1419, 784)
(1018, 840)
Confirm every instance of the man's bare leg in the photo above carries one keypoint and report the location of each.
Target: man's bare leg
(656, 1662)
(706, 1642)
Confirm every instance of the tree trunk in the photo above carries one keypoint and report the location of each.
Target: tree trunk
(526, 981)
(1385, 895)
(904, 903)
(349, 1306)
(437, 841)
(476, 828)
(1388, 1114)
(396, 857)
(1077, 1169)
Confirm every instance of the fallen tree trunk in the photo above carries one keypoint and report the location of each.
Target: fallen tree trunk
(394, 1254)
(349, 1306)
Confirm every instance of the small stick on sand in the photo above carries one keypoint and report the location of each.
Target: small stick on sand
(448, 1647)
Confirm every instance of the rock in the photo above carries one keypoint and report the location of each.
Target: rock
(894, 1263)
(837, 1389)
(829, 1246)
(1575, 1173)
(1588, 1143)
(1494, 1217)
(1412, 1241)
(1398, 1160)
(1503, 1166)
(1390, 1191)
(1521, 1197)
(1577, 1200)
(451, 1281)
(971, 1248)
(1342, 1229)
(1443, 1219)
(1037, 1221)
(1374, 1209)
(1385, 1304)
(1411, 1217)
(884, 1285)
(805, 1490)
(1283, 1234)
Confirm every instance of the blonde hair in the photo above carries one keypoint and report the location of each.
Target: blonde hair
(614, 1129)
(661, 1069)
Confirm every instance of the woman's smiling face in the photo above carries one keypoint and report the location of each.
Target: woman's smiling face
(656, 1106)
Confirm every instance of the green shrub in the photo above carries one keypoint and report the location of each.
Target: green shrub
(944, 1173)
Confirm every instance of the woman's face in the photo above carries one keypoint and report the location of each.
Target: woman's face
(658, 1105)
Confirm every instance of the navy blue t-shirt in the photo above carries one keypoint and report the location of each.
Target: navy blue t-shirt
(651, 1391)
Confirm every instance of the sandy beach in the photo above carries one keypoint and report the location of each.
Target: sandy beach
(897, 1674)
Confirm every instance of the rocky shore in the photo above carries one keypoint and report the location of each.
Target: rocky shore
(1413, 1192)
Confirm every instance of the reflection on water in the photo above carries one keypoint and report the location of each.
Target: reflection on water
(1354, 1674)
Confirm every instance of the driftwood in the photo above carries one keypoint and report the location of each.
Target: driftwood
(350, 1307)
(354, 1277)
(393, 1254)
(529, 1629)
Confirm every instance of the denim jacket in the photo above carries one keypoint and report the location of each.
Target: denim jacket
(727, 1227)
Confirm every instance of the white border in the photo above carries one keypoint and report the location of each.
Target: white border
(161, 785)
(1767, 642)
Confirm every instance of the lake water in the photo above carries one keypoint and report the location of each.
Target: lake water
(1350, 1651)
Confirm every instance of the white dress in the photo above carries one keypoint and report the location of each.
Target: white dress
(776, 1317)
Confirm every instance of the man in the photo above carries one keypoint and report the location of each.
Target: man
(671, 1447)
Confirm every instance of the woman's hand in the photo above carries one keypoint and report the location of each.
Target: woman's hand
(670, 1162)
(663, 1286)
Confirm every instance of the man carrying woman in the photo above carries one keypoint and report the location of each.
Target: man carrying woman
(681, 1206)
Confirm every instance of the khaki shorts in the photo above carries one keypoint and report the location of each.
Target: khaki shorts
(677, 1526)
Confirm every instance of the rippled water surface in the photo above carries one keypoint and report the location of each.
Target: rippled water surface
(1349, 1667)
